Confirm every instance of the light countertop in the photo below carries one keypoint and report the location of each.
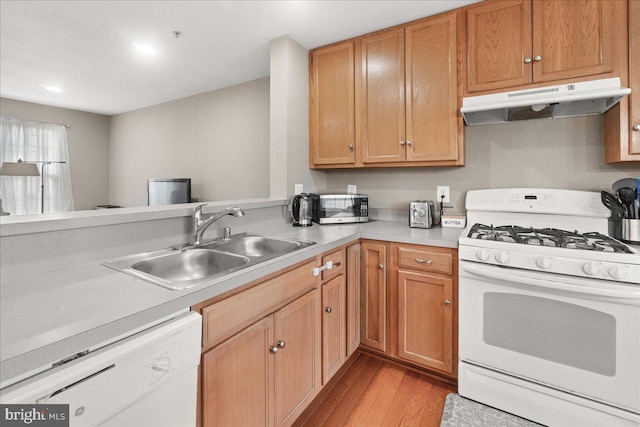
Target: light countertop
(54, 315)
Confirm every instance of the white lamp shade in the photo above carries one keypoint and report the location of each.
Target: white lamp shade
(19, 168)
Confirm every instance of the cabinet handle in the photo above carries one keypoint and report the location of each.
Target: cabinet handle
(423, 261)
(401, 143)
(337, 264)
(328, 309)
(381, 267)
(273, 349)
(281, 344)
(447, 302)
(636, 128)
(527, 60)
(537, 58)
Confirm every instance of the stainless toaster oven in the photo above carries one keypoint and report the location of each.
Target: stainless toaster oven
(331, 208)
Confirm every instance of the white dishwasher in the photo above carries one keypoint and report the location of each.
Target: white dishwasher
(148, 379)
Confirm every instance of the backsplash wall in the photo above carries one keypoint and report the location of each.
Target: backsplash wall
(560, 153)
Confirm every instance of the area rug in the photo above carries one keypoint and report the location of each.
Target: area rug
(461, 412)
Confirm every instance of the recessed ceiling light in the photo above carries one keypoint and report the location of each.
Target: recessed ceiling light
(145, 48)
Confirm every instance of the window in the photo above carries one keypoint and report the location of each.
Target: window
(39, 143)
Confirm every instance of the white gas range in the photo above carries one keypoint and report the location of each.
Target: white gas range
(549, 309)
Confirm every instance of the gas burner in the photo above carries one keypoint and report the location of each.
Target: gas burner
(551, 237)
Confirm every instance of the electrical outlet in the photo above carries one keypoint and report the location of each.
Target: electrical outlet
(443, 190)
(352, 189)
(298, 189)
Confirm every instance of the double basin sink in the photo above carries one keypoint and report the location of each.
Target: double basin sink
(182, 268)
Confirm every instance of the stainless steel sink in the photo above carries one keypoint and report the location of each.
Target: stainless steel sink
(185, 266)
(253, 245)
(182, 268)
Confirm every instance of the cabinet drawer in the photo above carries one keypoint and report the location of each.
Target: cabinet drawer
(339, 261)
(225, 318)
(425, 260)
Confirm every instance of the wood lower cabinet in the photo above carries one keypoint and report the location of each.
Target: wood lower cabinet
(513, 43)
(266, 374)
(334, 318)
(373, 296)
(622, 123)
(353, 297)
(419, 323)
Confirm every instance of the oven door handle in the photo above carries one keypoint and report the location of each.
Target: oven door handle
(491, 273)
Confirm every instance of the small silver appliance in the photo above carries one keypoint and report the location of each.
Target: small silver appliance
(332, 208)
(421, 214)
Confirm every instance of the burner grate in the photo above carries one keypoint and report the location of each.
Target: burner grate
(551, 237)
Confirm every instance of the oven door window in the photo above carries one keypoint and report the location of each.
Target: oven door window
(552, 330)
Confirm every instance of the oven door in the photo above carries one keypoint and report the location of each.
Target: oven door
(574, 334)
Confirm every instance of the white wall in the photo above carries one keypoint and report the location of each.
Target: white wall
(560, 153)
(289, 156)
(219, 139)
(88, 139)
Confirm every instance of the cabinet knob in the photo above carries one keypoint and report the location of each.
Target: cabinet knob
(408, 142)
(328, 309)
(281, 344)
(401, 143)
(537, 58)
(527, 60)
(273, 349)
(447, 302)
(350, 147)
(424, 261)
(636, 128)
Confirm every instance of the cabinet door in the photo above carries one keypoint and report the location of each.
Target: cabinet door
(297, 329)
(498, 42)
(425, 320)
(237, 379)
(382, 104)
(353, 298)
(432, 90)
(634, 80)
(332, 105)
(373, 297)
(572, 38)
(333, 327)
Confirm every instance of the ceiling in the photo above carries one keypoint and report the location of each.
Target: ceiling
(86, 48)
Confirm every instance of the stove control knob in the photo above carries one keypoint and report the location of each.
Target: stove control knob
(543, 262)
(502, 257)
(482, 254)
(617, 272)
(591, 269)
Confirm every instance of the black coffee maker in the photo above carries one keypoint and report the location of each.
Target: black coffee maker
(301, 209)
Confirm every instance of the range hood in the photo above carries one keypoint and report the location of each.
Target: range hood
(567, 100)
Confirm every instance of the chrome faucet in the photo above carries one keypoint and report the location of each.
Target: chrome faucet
(200, 224)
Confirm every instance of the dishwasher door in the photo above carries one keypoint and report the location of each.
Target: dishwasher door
(147, 379)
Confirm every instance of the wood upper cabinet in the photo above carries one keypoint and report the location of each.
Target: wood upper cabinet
(373, 297)
(513, 43)
(622, 122)
(408, 94)
(353, 298)
(382, 97)
(332, 105)
(267, 373)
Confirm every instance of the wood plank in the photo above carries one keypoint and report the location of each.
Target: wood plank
(417, 403)
(383, 402)
(435, 404)
(399, 405)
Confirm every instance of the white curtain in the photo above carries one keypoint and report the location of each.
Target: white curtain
(38, 143)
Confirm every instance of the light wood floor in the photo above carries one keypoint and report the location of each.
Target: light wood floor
(376, 393)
